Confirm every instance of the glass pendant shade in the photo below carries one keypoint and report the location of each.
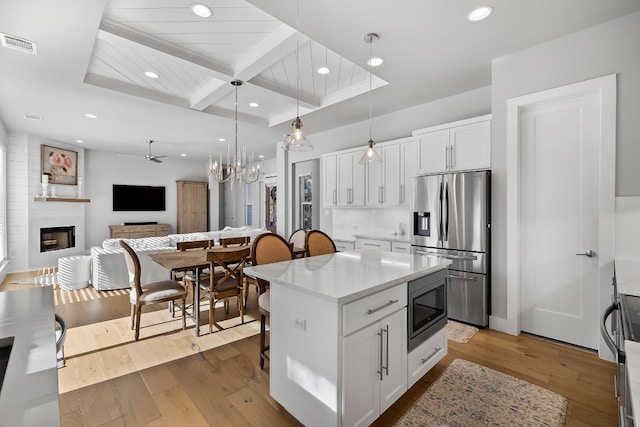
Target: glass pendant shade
(297, 141)
(370, 154)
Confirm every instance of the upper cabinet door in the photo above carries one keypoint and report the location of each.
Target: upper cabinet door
(459, 146)
(434, 151)
(330, 189)
(350, 179)
(409, 166)
(390, 192)
(470, 146)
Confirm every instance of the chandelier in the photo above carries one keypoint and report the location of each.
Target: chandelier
(238, 168)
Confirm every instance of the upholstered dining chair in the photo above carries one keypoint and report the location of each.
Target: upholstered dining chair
(149, 293)
(266, 249)
(319, 243)
(298, 239)
(226, 280)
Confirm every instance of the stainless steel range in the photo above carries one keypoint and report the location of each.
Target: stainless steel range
(451, 218)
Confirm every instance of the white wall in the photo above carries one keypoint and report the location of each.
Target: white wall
(104, 169)
(601, 50)
(4, 138)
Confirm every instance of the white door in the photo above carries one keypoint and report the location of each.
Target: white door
(559, 164)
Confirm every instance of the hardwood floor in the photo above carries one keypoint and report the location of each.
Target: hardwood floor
(172, 378)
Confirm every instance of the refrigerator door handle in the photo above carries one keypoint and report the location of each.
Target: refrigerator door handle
(440, 229)
(446, 198)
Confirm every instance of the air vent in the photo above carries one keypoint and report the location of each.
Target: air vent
(31, 117)
(17, 43)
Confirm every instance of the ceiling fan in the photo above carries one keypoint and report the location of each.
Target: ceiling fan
(150, 157)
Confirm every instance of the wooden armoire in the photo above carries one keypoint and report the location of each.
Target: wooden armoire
(193, 206)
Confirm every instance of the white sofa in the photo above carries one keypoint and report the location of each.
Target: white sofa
(109, 270)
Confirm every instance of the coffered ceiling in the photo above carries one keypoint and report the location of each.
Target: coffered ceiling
(92, 57)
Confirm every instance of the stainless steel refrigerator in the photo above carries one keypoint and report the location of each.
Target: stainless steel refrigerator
(451, 218)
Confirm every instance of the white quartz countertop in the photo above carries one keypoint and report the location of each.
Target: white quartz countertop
(346, 276)
(29, 395)
(628, 275)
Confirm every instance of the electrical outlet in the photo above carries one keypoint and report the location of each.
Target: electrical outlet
(299, 323)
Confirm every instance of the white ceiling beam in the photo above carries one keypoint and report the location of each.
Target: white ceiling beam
(209, 94)
(306, 101)
(272, 49)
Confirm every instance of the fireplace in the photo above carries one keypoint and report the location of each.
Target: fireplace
(56, 238)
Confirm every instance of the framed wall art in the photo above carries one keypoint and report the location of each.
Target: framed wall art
(60, 165)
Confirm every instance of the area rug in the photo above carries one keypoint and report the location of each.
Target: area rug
(468, 394)
(459, 332)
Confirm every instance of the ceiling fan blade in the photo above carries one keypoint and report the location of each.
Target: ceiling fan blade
(155, 159)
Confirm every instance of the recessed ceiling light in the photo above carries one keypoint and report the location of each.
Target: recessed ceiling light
(79, 141)
(254, 104)
(375, 62)
(201, 10)
(151, 75)
(222, 139)
(261, 157)
(91, 116)
(323, 70)
(479, 13)
(183, 154)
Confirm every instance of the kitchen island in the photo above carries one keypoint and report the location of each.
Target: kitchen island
(29, 394)
(339, 333)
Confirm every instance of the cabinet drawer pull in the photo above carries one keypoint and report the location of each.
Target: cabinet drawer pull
(372, 244)
(426, 359)
(391, 302)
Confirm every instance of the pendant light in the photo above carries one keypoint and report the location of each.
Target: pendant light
(297, 141)
(370, 154)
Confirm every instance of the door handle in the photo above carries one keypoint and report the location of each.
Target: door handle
(589, 253)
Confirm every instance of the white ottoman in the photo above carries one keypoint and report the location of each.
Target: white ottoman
(74, 272)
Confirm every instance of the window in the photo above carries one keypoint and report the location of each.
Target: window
(249, 206)
(306, 207)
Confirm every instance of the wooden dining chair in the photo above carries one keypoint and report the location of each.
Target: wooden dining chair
(298, 239)
(226, 281)
(149, 293)
(192, 245)
(234, 241)
(266, 249)
(319, 243)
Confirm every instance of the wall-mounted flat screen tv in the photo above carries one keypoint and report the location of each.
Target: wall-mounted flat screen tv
(138, 198)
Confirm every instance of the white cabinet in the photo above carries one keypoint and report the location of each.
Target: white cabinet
(425, 356)
(343, 245)
(383, 178)
(381, 245)
(350, 178)
(401, 247)
(374, 369)
(463, 145)
(330, 174)
(409, 167)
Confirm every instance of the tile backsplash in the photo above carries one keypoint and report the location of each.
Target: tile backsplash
(628, 227)
(380, 222)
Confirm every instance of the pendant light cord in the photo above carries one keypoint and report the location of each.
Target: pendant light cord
(370, 88)
(297, 58)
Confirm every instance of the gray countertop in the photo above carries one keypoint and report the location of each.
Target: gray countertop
(29, 395)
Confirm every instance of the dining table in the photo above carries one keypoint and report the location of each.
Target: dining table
(194, 260)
